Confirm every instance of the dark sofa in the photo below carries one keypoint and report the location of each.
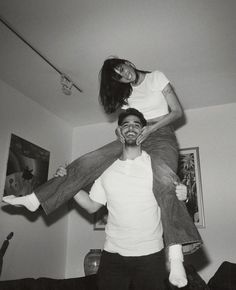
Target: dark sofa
(88, 283)
(224, 279)
(83, 283)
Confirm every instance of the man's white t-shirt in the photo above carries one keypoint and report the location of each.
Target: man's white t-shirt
(134, 219)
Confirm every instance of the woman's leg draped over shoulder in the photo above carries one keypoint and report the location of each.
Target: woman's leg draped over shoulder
(81, 173)
(177, 224)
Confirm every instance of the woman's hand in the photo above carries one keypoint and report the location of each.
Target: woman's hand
(146, 131)
(119, 135)
(60, 172)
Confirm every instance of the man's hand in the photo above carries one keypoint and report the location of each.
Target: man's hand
(60, 172)
(181, 191)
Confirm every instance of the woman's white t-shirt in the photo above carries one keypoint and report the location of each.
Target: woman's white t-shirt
(148, 97)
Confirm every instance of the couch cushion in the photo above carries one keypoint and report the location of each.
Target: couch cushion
(82, 283)
(224, 278)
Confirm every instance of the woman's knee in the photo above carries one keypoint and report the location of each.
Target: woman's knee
(163, 174)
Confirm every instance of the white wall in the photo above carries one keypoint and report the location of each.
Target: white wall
(81, 236)
(38, 247)
(212, 129)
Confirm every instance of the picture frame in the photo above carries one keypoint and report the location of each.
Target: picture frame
(189, 172)
(100, 219)
(27, 167)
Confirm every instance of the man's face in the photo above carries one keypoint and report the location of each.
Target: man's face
(131, 128)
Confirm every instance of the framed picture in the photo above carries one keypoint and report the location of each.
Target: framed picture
(27, 167)
(100, 219)
(190, 175)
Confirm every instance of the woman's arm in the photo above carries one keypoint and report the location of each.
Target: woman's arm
(176, 110)
(175, 113)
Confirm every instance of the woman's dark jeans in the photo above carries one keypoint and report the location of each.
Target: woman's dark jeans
(162, 146)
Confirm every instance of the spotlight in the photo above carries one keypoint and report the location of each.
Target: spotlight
(66, 84)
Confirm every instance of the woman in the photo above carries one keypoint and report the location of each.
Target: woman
(122, 86)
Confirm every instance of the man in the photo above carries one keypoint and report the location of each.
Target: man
(133, 249)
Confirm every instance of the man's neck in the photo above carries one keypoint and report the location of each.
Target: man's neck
(130, 152)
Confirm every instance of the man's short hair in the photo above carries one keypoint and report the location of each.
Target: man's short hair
(132, 112)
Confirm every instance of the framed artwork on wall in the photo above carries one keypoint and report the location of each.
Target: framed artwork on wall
(27, 167)
(189, 172)
(100, 219)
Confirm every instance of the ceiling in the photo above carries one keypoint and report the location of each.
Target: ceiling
(192, 41)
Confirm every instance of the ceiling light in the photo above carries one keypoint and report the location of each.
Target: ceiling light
(66, 84)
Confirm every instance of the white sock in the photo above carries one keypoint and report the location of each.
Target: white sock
(30, 201)
(177, 275)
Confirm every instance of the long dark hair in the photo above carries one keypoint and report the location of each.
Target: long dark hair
(113, 94)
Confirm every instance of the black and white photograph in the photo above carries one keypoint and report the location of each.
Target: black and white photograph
(117, 139)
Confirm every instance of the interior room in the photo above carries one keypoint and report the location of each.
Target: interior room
(51, 53)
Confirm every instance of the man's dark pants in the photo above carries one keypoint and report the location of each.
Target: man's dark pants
(118, 272)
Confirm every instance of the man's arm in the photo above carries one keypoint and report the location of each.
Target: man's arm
(82, 199)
